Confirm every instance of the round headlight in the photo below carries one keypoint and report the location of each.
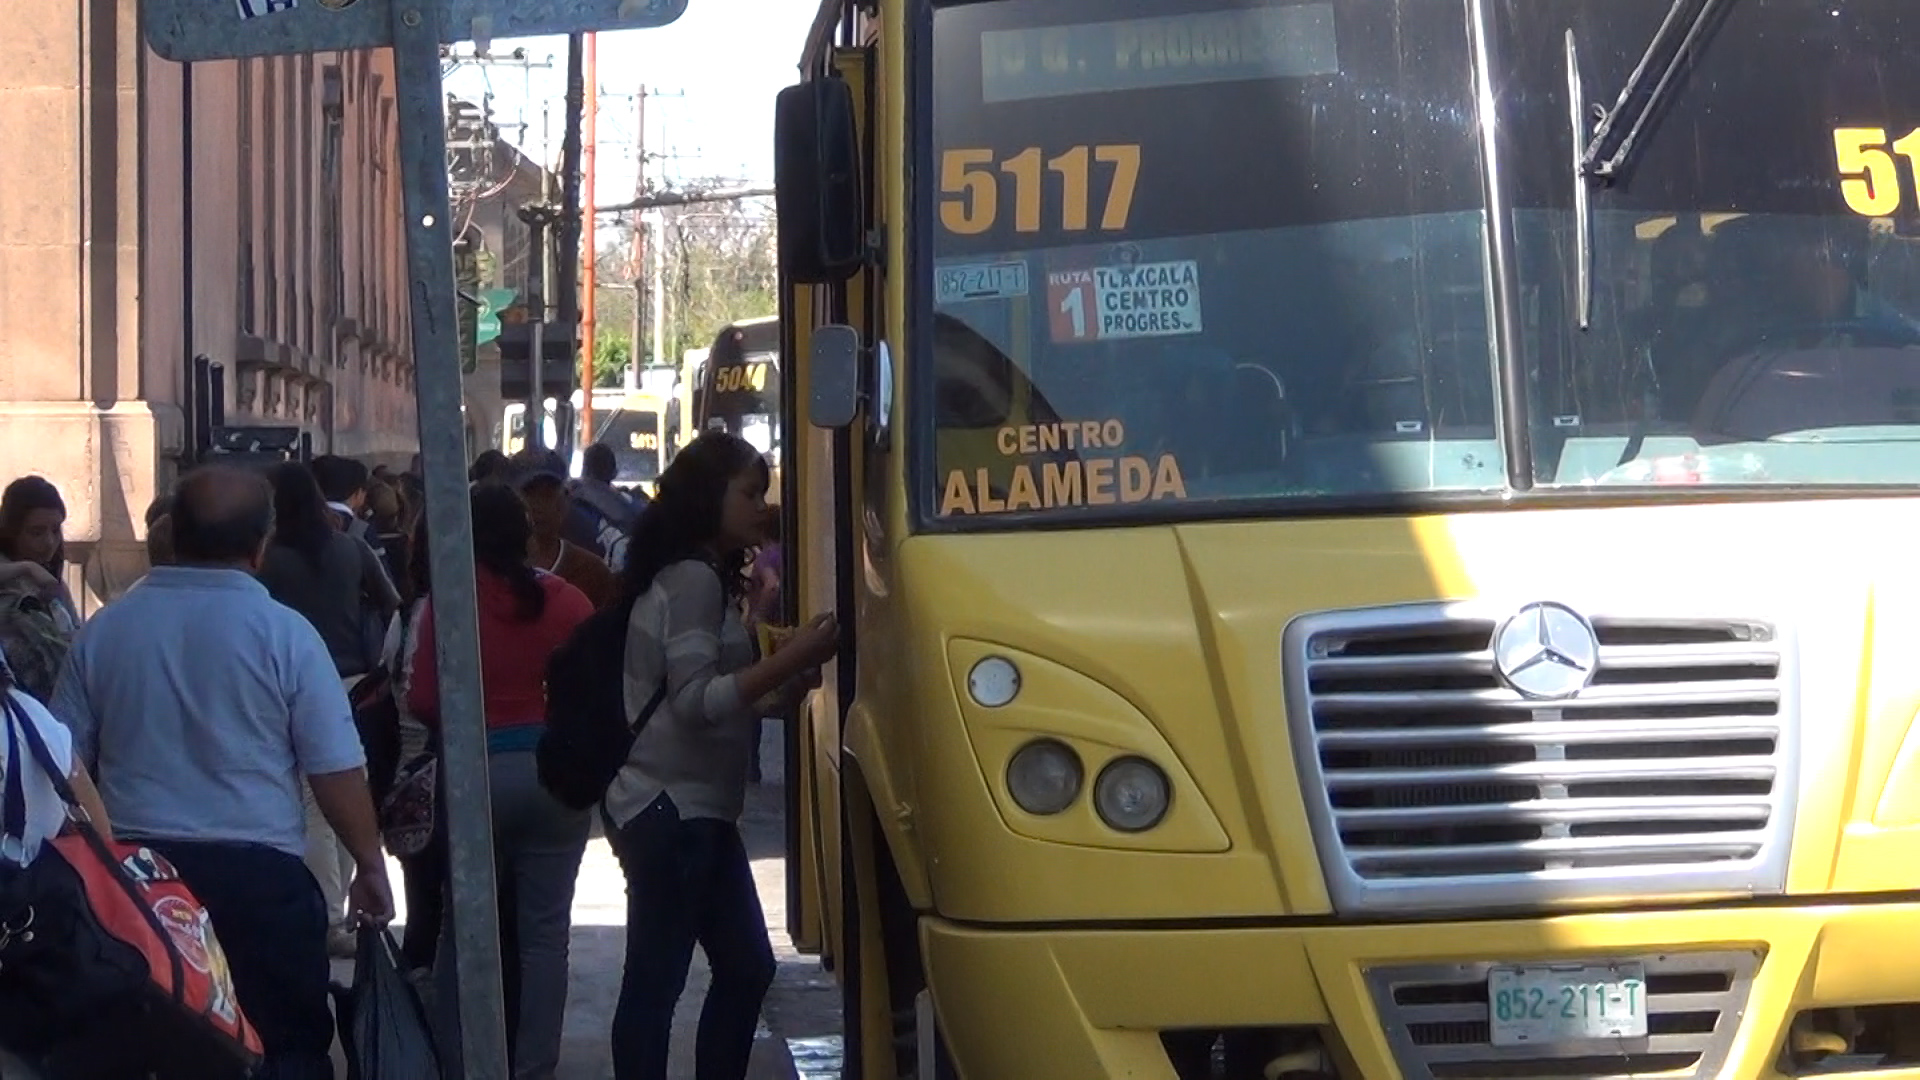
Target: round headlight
(993, 682)
(1044, 777)
(1131, 794)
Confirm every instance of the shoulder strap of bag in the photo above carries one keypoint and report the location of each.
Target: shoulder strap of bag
(13, 818)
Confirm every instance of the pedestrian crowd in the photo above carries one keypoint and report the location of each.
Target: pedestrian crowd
(263, 710)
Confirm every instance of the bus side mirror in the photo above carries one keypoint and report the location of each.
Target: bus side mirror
(833, 376)
(816, 178)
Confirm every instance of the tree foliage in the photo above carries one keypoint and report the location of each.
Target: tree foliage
(719, 268)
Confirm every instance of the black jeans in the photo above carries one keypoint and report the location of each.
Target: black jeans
(688, 882)
(424, 878)
(267, 911)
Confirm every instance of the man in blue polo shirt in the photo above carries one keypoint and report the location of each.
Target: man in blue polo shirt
(201, 703)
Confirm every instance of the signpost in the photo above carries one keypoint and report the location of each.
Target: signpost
(187, 30)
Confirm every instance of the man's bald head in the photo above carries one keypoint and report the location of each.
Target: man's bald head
(222, 516)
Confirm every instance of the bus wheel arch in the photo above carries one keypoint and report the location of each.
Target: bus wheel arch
(868, 778)
(884, 973)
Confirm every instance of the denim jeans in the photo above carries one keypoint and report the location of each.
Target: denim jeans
(537, 846)
(267, 911)
(688, 882)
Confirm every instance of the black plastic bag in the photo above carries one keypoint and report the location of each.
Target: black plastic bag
(383, 1025)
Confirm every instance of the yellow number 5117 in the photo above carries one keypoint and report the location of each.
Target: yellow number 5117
(1870, 180)
(970, 188)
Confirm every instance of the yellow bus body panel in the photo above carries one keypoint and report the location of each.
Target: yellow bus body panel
(1165, 641)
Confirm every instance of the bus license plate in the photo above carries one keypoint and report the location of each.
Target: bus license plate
(1541, 1006)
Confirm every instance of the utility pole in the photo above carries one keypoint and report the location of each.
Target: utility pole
(637, 267)
(590, 249)
(567, 272)
(657, 241)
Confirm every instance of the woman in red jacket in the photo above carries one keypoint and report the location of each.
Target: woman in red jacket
(525, 614)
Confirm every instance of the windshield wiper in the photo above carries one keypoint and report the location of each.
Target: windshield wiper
(1582, 196)
(1618, 131)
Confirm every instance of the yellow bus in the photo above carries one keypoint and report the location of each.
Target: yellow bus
(736, 386)
(641, 427)
(1374, 536)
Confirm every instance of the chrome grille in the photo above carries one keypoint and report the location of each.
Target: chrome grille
(1435, 1018)
(1432, 786)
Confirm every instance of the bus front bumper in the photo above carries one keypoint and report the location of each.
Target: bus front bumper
(1722, 985)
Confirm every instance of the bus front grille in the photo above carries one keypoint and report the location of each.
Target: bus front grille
(1436, 1019)
(1432, 785)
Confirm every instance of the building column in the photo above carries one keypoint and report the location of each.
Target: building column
(76, 405)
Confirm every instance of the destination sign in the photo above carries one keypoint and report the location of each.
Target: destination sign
(1175, 50)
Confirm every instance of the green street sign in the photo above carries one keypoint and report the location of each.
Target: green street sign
(492, 302)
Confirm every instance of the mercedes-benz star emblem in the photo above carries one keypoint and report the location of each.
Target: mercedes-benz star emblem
(1546, 651)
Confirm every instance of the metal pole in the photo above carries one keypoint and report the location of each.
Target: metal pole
(590, 250)
(567, 271)
(639, 267)
(436, 355)
(533, 422)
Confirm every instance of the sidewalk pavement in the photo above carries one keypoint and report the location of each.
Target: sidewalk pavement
(802, 1013)
(800, 1030)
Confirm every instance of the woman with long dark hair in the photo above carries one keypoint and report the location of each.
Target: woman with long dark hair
(32, 515)
(672, 813)
(38, 617)
(525, 614)
(337, 582)
(32, 519)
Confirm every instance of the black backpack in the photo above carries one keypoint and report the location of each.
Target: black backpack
(588, 733)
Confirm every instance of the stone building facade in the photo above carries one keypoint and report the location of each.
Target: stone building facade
(247, 212)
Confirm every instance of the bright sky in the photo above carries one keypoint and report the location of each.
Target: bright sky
(716, 71)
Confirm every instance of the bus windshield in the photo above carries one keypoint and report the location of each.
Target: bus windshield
(1241, 252)
(633, 433)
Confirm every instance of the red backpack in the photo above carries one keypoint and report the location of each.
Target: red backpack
(107, 960)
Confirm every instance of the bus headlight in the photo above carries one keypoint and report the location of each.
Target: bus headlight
(1044, 777)
(1131, 794)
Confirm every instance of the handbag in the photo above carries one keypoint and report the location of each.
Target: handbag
(408, 808)
(104, 951)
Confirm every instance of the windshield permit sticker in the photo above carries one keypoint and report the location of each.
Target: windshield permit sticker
(1058, 465)
(1114, 303)
(962, 282)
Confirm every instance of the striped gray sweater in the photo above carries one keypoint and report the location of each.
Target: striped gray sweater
(697, 746)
